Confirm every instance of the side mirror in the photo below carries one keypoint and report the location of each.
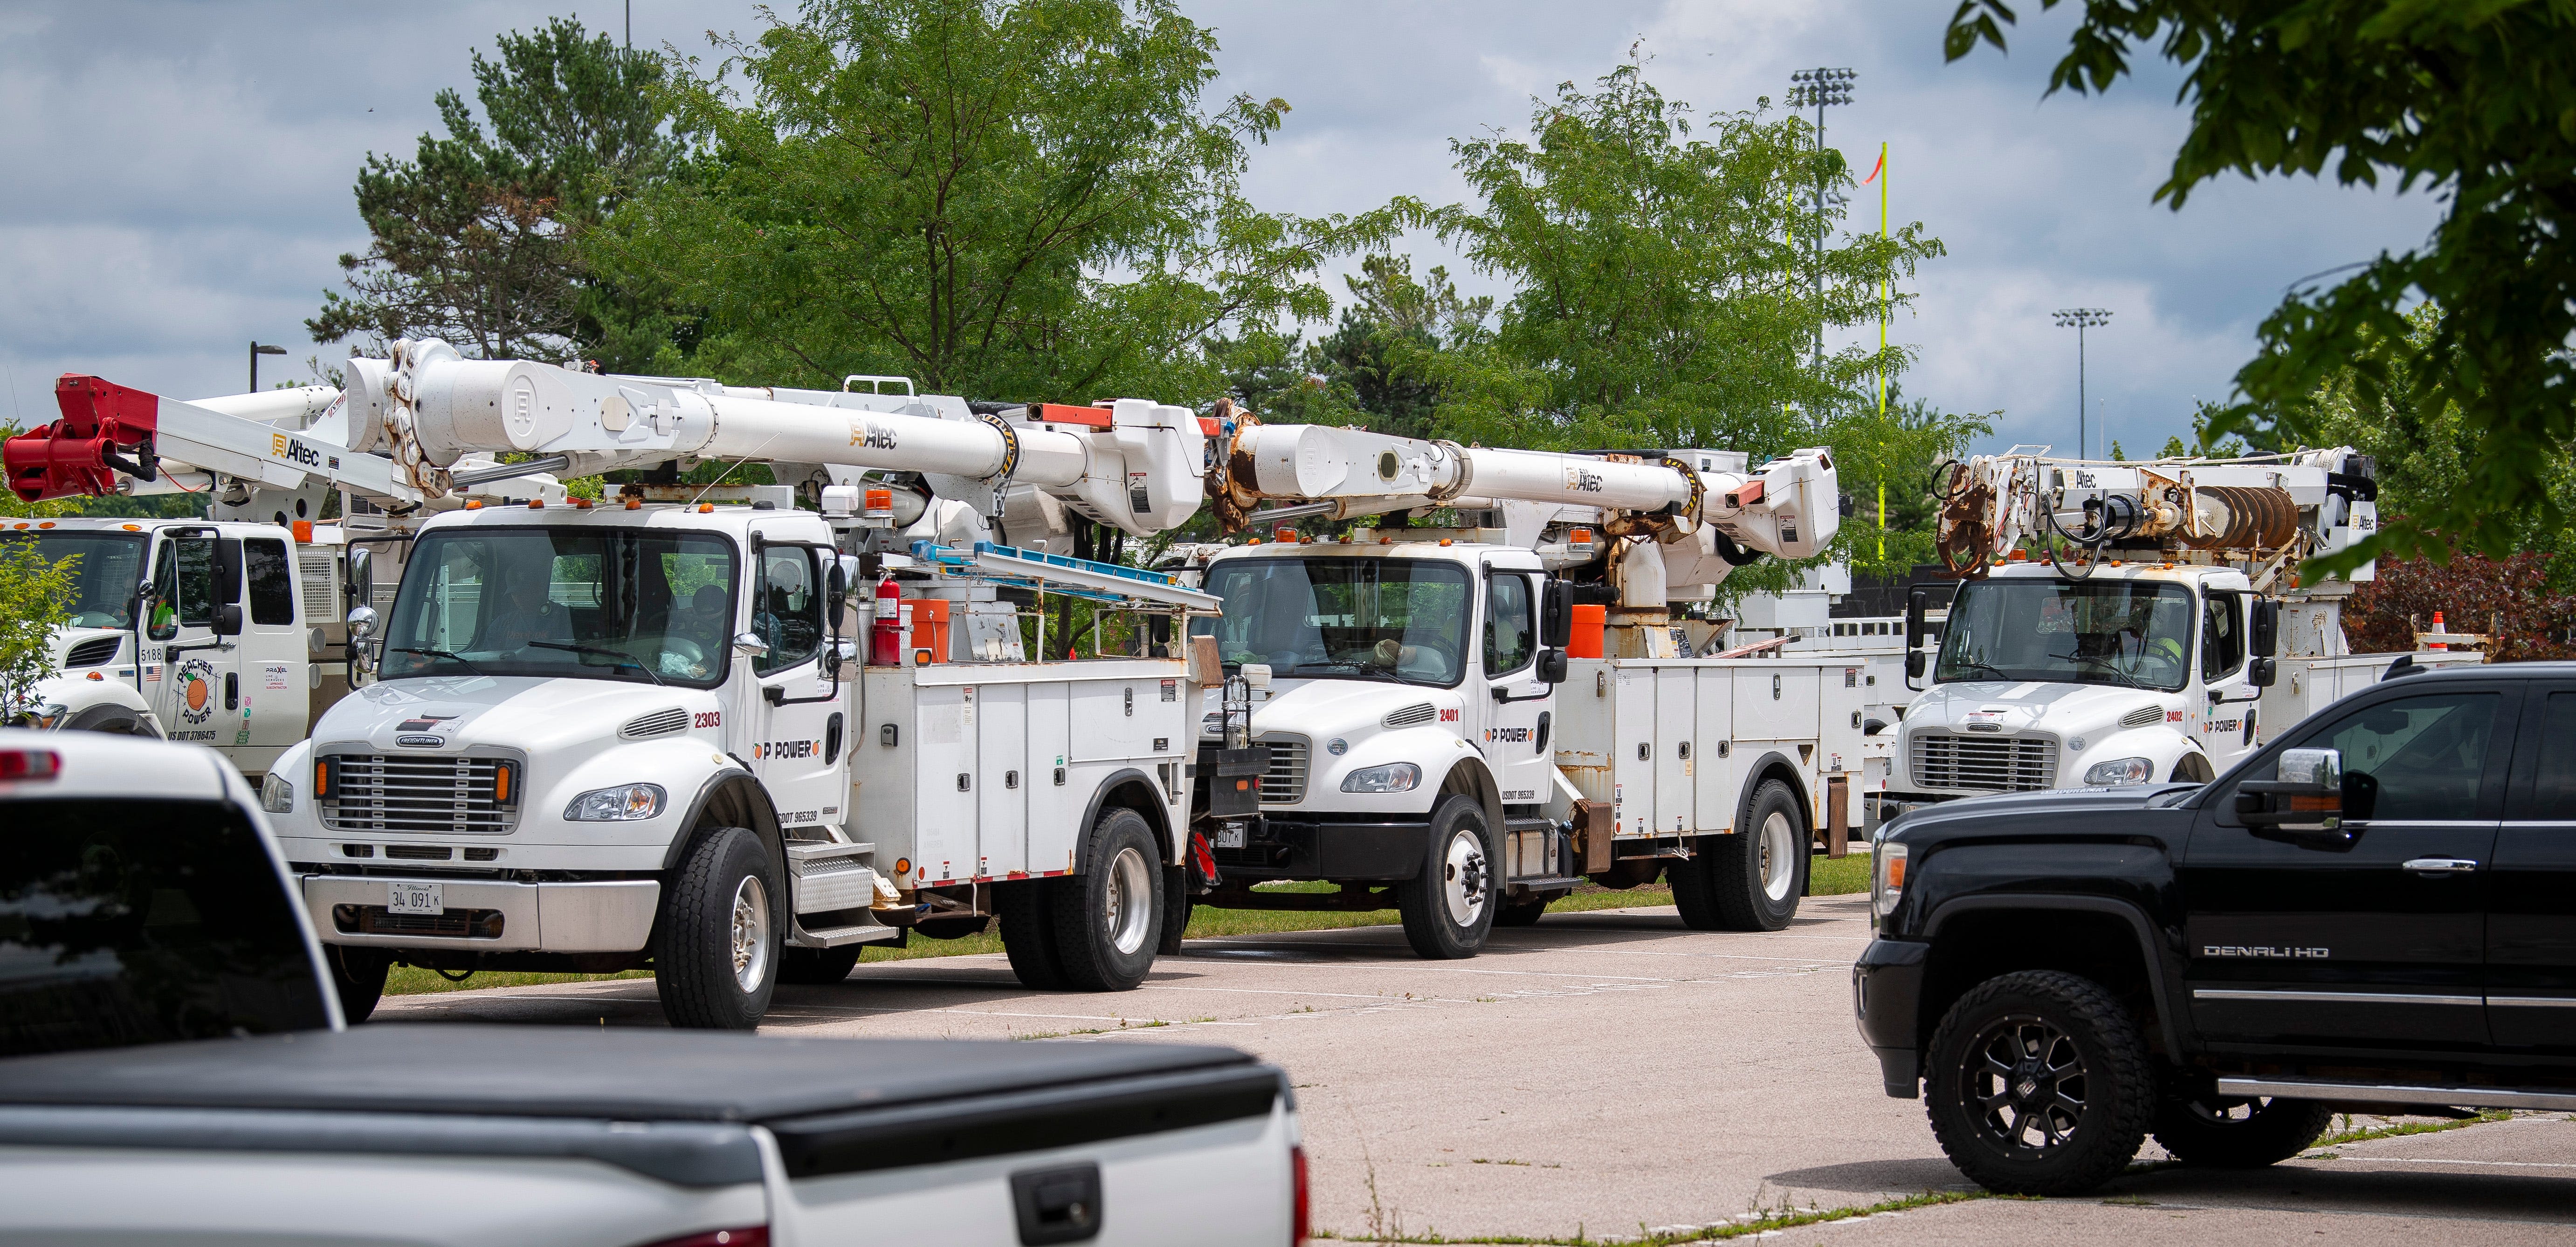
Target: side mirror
(2264, 631)
(362, 623)
(1916, 602)
(1556, 614)
(1551, 665)
(228, 619)
(228, 577)
(749, 645)
(2263, 671)
(836, 584)
(358, 585)
(2305, 793)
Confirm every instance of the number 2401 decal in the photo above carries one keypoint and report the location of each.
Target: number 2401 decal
(710, 718)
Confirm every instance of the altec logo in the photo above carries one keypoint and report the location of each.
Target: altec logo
(872, 435)
(283, 447)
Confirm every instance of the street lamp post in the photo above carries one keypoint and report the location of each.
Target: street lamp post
(256, 350)
(2080, 319)
(1819, 88)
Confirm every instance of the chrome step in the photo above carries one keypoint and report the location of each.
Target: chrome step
(2398, 1093)
(835, 937)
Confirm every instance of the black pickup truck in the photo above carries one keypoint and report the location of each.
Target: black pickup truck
(2377, 910)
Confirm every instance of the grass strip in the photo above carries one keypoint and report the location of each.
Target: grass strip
(2350, 1135)
(1754, 1224)
(1828, 877)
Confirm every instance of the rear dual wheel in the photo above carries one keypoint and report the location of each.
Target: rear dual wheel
(1096, 931)
(1751, 880)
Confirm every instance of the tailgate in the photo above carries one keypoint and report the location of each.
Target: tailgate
(1197, 1157)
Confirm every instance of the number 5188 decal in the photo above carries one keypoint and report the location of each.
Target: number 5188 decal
(710, 718)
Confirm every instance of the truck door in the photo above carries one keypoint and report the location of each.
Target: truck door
(189, 651)
(2227, 722)
(1516, 744)
(276, 692)
(803, 727)
(2374, 933)
(2531, 888)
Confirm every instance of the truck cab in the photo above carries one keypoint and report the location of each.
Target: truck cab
(193, 630)
(2138, 674)
(1408, 709)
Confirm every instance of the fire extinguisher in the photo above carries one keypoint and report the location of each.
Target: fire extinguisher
(885, 639)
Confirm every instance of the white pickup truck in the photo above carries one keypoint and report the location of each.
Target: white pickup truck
(144, 905)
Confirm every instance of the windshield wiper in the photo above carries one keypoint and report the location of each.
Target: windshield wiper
(1365, 669)
(623, 660)
(437, 653)
(1972, 666)
(2126, 680)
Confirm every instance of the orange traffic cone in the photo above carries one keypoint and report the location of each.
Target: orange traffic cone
(2439, 630)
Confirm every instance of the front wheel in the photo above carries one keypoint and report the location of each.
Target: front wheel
(358, 977)
(2231, 1133)
(1448, 908)
(715, 955)
(2038, 1084)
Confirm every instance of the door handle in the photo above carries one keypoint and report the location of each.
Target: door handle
(2431, 866)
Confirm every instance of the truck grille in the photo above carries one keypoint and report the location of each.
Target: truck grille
(2010, 764)
(409, 793)
(1285, 782)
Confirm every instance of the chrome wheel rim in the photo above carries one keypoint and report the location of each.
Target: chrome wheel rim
(1128, 909)
(1779, 856)
(750, 934)
(1462, 877)
(2024, 1081)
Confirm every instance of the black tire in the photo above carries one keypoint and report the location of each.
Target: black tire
(1522, 914)
(1751, 880)
(1457, 874)
(1028, 925)
(2230, 1133)
(1109, 918)
(716, 948)
(809, 967)
(358, 978)
(1177, 904)
(2090, 1091)
(113, 720)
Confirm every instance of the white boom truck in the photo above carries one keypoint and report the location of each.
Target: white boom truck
(225, 631)
(2153, 644)
(1410, 724)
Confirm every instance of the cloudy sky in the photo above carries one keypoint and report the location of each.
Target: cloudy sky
(174, 177)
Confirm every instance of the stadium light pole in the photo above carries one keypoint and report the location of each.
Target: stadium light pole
(2080, 319)
(1819, 89)
(256, 350)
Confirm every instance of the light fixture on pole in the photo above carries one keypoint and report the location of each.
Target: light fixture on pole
(2080, 319)
(256, 350)
(1819, 89)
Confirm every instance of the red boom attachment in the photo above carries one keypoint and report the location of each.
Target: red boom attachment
(80, 453)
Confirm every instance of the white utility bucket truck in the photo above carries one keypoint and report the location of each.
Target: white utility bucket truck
(226, 631)
(2160, 635)
(1407, 715)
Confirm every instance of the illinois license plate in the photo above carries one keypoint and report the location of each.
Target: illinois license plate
(415, 898)
(1229, 836)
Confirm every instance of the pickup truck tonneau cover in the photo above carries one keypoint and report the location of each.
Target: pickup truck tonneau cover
(678, 1107)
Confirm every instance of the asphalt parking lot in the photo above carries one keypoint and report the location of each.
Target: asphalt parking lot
(1610, 1072)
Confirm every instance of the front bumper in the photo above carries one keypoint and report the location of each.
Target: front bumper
(1279, 847)
(609, 916)
(1887, 996)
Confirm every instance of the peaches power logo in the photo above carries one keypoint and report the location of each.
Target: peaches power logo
(196, 691)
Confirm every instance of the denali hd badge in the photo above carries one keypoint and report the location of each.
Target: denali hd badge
(2264, 950)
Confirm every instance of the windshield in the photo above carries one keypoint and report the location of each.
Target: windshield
(2136, 634)
(1359, 618)
(617, 604)
(143, 921)
(108, 568)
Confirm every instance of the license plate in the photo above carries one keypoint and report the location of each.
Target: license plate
(416, 898)
(1230, 836)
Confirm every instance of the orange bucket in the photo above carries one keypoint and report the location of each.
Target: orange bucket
(1588, 624)
(930, 626)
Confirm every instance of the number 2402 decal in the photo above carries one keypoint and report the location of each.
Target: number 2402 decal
(710, 718)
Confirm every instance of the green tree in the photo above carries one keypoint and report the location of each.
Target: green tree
(473, 236)
(2470, 100)
(1897, 452)
(32, 597)
(1023, 200)
(1665, 290)
(1376, 368)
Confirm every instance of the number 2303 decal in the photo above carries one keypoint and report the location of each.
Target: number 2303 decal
(709, 718)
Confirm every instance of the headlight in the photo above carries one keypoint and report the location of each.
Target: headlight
(615, 805)
(50, 715)
(2118, 771)
(276, 793)
(1887, 877)
(1393, 777)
